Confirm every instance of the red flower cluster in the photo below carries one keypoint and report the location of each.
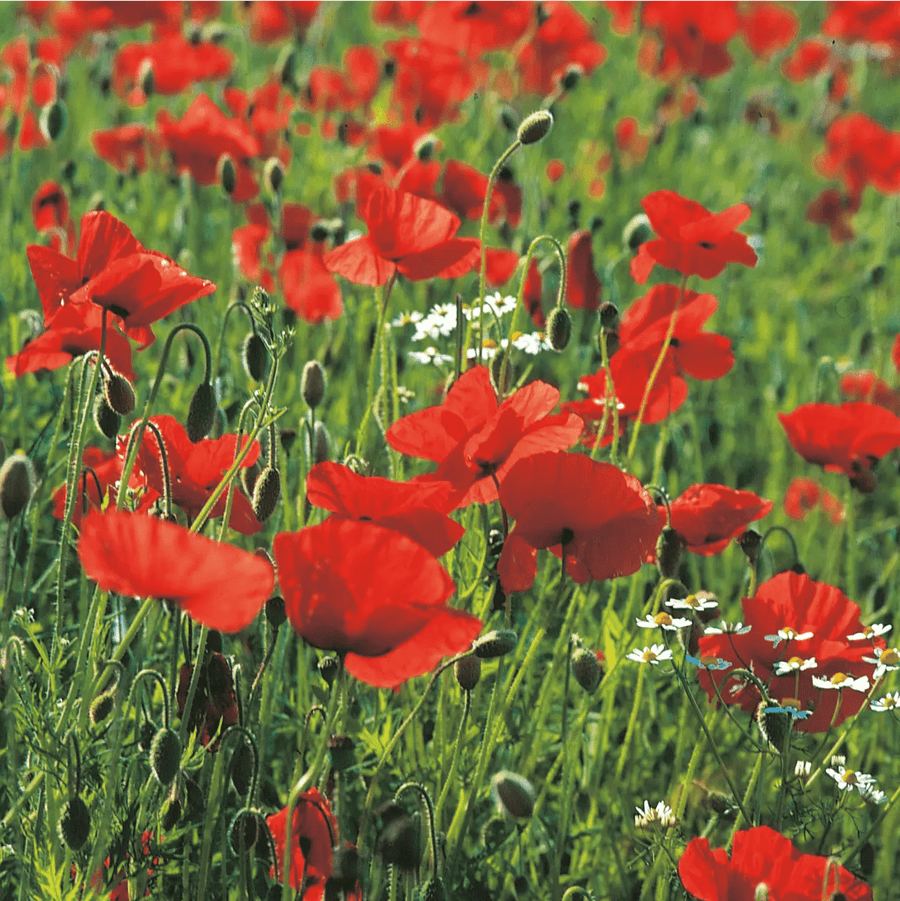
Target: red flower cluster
(804, 495)
(794, 605)
(763, 857)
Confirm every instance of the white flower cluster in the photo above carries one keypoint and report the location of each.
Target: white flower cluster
(660, 816)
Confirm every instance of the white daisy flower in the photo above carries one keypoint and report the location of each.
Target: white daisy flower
(409, 318)
(802, 768)
(891, 701)
(871, 794)
(847, 780)
(794, 665)
(869, 632)
(842, 680)
(531, 343)
(429, 355)
(661, 815)
(663, 621)
(693, 602)
(655, 654)
(788, 634)
(728, 628)
(886, 660)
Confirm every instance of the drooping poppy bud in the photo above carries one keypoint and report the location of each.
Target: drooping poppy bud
(105, 417)
(170, 814)
(202, 412)
(559, 329)
(53, 120)
(75, 823)
(242, 768)
(329, 667)
(467, 671)
(586, 669)
(245, 830)
(254, 356)
(118, 393)
(273, 175)
(102, 706)
(312, 384)
(16, 485)
(514, 795)
(275, 611)
(165, 756)
(266, 493)
(227, 174)
(340, 751)
(636, 232)
(495, 644)
(398, 842)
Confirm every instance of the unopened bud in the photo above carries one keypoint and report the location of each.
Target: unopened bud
(146, 735)
(242, 768)
(244, 831)
(170, 813)
(266, 493)
(750, 542)
(535, 127)
(321, 444)
(53, 120)
(226, 174)
(273, 175)
(275, 611)
(495, 644)
(146, 79)
(424, 147)
(105, 417)
(340, 751)
(165, 756)
(570, 78)
(669, 547)
(774, 723)
(118, 393)
(559, 328)
(255, 356)
(467, 671)
(513, 794)
(16, 485)
(102, 706)
(75, 823)
(636, 232)
(586, 669)
(312, 384)
(286, 66)
(329, 667)
(202, 412)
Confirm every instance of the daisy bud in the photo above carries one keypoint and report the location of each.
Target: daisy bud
(266, 493)
(321, 444)
(467, 671)
(535, 127)
(495, 644)
(165, 756)
(636, 232)
(202, 412)
(254, 356)
(669, 547)
(170, 814)
(433, 890)
(273, 175)
(312, 384)
(513, 794)
(559, 329)
(275, 611)
(105, 417)
(340, 751)
(53, 120)
(329, 667)
(74, 823)
(242, 768)
(16, 485)
(118, 393)
(586, 669)
(226, 174)
(102, 706)
(244, 831)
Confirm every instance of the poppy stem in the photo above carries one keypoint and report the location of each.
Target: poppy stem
(429, 811)
(373, 361)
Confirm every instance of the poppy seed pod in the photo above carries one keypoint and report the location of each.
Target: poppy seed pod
(53, 121)
(105, 417)
(559, 329)
(75, 823)
(16, 485)
(165, 756)
(467, 672)
(535, 127)
(495, 644)
(227, 174)
(586, 669)
(254, 356)
(312, 384)
(514, 794)
(202, 412)
(266, 493)
(118, 393)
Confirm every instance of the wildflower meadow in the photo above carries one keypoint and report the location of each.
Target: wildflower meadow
(449, 451)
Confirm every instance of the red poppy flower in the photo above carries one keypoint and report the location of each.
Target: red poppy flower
(867, 386)
(600, 516)
(810, 57)
(32, 85)
(475, 28)
(763, 857)
(195, 470)
(707, 517)
(872, 23)
(834, 209)
(202, 136)
(313, 834)
(794, 604)
(383, 606)
(465, 189)
(850, 438)
(214, 708)
(272, 20)
(413, 509)
(583, 288)
(691, 240)
(124, 148)
(267, 113)
(499, 266)
(860, 152)
(768, 28)
(631, 143)
(217, 585)
(407, 235)
(804, 495)
(475, 441)
(50, 207)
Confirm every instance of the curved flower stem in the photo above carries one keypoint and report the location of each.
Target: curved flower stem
(742, 817)
(454, 760)
(429, 809)
(645, 400)
(238, 304)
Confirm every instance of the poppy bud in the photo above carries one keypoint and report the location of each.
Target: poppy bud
(398, 843)
(196, 800)
(636, 232)
(609, 315)
(774, 723)
(248, 477)
(146, 735)
(495, 832)
(319, 232)
(508, 119)
(118, 393)
(424, 148)
(254, 356)
(329, 667)
(761, 892)
(170, 813)
(433, 890)
(559, 329)
(102, 706)
(242, 768)
(74, 823)
(165, 756)
(586, 669)
(226, 174)
(275, 611)
(495, 644)
(273, 175)
(321, 443)
(201, 413)
(266, 493)
(105, 417)
(750, 542)
(53, 120)
(244, 831)
(340, 750)
(16, 485)
(312, 384)
(669, 546)
(467, 671)
(875, 274)
(286, 66)
(145, 78)
(346, 867)
(535, 127)
(513, 794)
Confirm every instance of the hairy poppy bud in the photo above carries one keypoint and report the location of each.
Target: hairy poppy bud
(165, 756)
(669, 546)
(118, 393)
(227, 174)
(424, 147)
(559, 328)
(201, 413)
(242, 768)
(75, 823)
(170, 813)
(586, 669)
(761, 893)
(53, 120)
(16, 485)
(513, 794)
(535, 127)
(340, 750)
(266, 493)
(312, 384)
(570, 78)
(329, 668)
(609, 315)
(495, 644)
(275, 611)
(254, 356)
(105, 417)
(145, 77)
(467, 672)
(244, 831)
(102, 706)
(636, 232)
(273, 175)
(147, 734)
(398, 842)
(496, 831)
(346, 867)
(432, 890)
(286, 66)
(321, 443)
(319, 232)
(750, 542)
(508, 118)
(774, 723)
